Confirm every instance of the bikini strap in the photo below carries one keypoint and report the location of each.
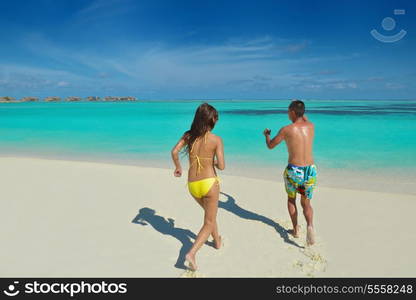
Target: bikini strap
(205, 141)
(198, 158)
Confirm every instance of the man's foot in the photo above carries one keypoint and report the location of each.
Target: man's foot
(191, 262)
(294, 232)
(218, 243)
(310, 236)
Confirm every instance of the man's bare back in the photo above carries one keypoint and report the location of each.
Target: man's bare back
(300, 173)
(299, 140)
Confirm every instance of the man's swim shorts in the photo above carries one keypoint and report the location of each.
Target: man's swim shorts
(300, 180)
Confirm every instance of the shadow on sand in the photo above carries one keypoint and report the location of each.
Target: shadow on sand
(231, 206)
(148, 216)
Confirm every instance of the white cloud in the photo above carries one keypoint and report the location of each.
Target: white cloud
(232, 65)
(394, 86)
(101, 9)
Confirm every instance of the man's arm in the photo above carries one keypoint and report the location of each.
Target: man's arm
(271, 143)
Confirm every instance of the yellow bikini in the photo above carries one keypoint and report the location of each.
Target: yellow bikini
(200, 188)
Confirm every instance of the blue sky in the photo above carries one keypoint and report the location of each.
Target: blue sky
(206, 49)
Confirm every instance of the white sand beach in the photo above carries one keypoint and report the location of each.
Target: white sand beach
(83, 219)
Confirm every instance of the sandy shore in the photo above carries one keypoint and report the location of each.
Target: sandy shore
(83, 219)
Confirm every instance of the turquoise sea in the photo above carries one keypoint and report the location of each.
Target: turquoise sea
(376, 137)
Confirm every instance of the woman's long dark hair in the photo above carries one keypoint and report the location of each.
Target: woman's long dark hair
(204, 120)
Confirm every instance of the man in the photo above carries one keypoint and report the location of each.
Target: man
(300, 174)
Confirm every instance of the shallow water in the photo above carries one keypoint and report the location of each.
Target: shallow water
(368, 137)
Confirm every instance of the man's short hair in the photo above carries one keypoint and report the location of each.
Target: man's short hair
(298, 107)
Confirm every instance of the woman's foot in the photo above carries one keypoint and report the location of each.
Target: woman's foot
(191, 261)
(218, 243)
(310, 236)
(294, 232)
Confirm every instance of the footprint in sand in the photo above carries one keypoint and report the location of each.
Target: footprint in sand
(314, 259)
(191, 274)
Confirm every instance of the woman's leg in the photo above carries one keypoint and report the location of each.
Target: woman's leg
(214, 234)
(210, 204)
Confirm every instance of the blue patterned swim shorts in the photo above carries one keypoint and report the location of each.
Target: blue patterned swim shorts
(300, 180)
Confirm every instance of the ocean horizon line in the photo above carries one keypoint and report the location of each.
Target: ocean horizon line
(83, 99)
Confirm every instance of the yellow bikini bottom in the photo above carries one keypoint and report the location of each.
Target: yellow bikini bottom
(200, 188)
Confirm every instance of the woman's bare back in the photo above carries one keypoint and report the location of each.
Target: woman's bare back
(201, 157)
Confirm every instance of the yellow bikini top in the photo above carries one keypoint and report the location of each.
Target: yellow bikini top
(198, 158)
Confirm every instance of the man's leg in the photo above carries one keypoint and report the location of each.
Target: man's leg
(308, 213)
(293, 212)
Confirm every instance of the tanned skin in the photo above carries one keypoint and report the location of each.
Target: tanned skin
(299, 137)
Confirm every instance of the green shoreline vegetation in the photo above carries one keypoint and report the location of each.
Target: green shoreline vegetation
(7, 99)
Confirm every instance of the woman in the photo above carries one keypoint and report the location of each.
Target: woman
(206, 151)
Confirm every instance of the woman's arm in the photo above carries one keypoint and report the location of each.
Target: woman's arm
(175, 157)
(219, 153)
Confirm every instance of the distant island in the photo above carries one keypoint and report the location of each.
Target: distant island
(7, 99)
